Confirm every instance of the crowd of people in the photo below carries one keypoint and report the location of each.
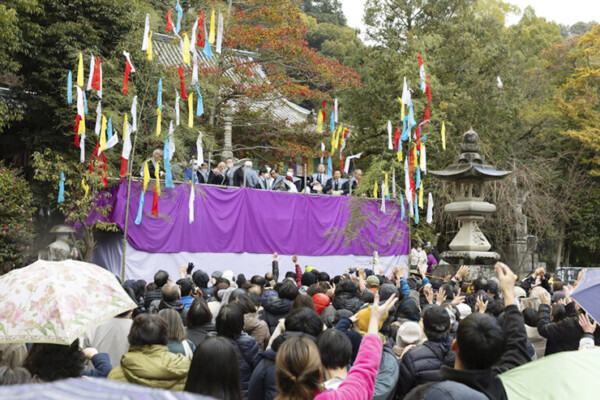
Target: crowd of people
(359, 335)
(266, 178)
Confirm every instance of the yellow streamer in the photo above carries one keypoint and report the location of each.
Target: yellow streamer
(444, 135)
(402, 109)
(211, 35)
(339, 137)
(385, 184)
(414, 150)
(80, 71)
(186, 49)
(146, 175)
(399, 153)
(158, 121)
(81, 128)
(85, 187)
(124, 125)
(103, 134)
(191, 110)
(320, 122)
(375, 190)
(149, 51)
(421, 195)
(157, 175)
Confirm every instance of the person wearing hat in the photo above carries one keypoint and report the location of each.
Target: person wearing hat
(421, 364)
(484, 349)
(408, 336)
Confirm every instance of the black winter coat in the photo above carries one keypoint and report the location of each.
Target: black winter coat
(486, 381)
(348, 301)
(422, 364)
(262, 383)
(152, 296)
(199, 334)
(275, 309)
(563, 335)
(248, 356)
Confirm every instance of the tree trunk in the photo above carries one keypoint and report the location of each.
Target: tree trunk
(561, 243)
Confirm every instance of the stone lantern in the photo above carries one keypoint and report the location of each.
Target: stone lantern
(469, 173)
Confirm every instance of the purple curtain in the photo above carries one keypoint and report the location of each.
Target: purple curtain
(256, 221)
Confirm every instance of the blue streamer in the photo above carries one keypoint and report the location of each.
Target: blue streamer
(411, 116)
(61, 188)
(167, 163)
(332, 122)
(207, 51)
(179, 17)
(199, 105)
(329, 167)
(415, 202)
(405, 129)
(159, 96)
(402, 207)
(109, 129)
(138, 219)
(85, 109)
(418, 183)
(70, 88)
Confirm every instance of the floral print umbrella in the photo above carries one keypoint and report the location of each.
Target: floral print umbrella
(57, 302)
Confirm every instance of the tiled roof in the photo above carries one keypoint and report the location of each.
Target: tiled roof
(167, 50)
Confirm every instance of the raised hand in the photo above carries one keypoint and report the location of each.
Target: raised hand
(182, 271)
(457, 298)
(480, 305)
(379, 312)
(295, 259)
(274, 256)
(441, 297)
(586, 325)
(428, 292)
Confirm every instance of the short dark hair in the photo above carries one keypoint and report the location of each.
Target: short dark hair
(559, 312)
(148, 329)
(480, 341)
(335, 348)
(230, 321)
(161, 278)
(198, 313)
(304, 301)
(304, 320)
(186, 285)
(53, 362)
(479, 283)
(241, 279)
(288, 290)
(346, 286)
(259, 280)
(315, 288)
(323, 277)
(246, 302)
(492, 287)
(290, 274)
(215, 370)
(263, 170)
(308, 278)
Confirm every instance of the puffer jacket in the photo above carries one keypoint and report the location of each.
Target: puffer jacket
(422, 364)
(153, 366)
(347, 301)
(248, 356)
(275, 309)
(387, 377)
(262, 384)
(258, 329)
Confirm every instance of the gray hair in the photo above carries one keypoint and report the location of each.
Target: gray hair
(157, 151)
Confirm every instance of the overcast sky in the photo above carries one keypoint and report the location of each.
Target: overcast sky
(560, 11)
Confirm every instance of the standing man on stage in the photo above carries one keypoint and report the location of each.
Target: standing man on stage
(157, 155)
